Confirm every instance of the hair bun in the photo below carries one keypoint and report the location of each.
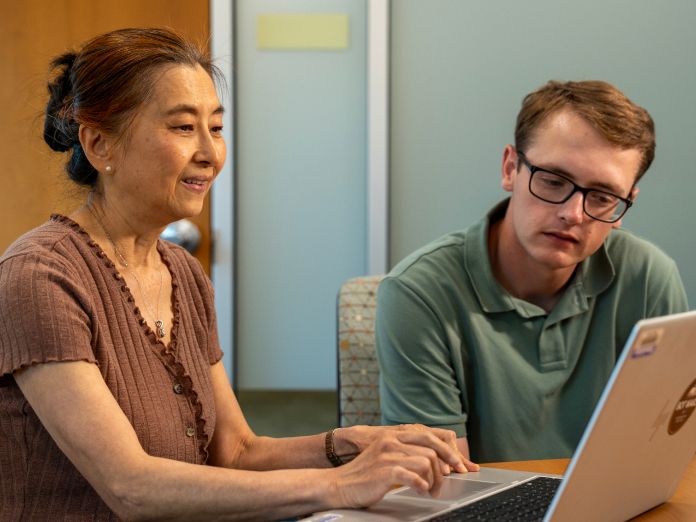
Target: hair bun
(60, 128)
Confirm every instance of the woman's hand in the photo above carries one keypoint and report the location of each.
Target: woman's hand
(409, 455)
(355, 439)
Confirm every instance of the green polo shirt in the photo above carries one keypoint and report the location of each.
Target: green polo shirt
(458, 351)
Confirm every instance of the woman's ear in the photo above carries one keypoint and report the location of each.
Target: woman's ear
(97, 147)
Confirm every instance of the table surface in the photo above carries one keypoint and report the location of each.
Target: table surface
(681, 507)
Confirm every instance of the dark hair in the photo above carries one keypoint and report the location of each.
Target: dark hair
(104, 84)
(619, 120)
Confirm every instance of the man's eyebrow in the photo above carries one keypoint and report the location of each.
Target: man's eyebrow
(189, 109)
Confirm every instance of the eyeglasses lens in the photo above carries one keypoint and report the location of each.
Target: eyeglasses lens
(556, 189)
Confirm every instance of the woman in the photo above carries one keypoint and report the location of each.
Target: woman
(113, 399)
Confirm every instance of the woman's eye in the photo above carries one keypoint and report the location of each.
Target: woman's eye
(216, 130)
(185, 128)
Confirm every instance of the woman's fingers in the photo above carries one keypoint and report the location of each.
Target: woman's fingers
(419, 471)
(420, 458)
(470, 465)
(450, 438)
(405, 476)
(448, 454)
(446, 468)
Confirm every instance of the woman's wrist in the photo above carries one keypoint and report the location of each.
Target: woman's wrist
(349, 442)
(330, 492)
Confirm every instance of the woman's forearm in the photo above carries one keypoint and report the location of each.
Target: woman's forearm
(171, 490)
(263, 453)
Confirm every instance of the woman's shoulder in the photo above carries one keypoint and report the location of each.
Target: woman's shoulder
(43, 239)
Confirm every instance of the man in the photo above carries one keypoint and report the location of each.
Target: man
(507, 332)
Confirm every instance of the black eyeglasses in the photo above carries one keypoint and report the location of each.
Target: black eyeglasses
(556, 188)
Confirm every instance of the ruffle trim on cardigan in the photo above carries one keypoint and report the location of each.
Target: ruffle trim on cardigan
(167, 353)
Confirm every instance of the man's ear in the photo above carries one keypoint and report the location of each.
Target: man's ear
(97, 147)
(632, 196)
(509, 168)
(634, 193)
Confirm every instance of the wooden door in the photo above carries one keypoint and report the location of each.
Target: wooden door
(32, 32)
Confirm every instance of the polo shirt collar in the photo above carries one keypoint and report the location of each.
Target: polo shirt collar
(591, 278)
(491, 296)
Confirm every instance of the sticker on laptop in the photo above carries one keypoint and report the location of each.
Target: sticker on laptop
(683, 410)
(647, 343)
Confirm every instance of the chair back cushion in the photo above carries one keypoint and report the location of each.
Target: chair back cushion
(358, 369)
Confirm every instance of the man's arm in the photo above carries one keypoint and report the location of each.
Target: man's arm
(463, 446)
(418, 355)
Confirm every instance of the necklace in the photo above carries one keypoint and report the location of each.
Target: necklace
(159, 324)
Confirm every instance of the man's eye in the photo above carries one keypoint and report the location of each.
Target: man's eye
(186, 128)
(552, 182)
(216, 130)
(600, 198)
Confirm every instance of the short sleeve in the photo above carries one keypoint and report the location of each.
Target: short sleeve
(418, 383)
(214, 349)
(44, 313)
(668, 295)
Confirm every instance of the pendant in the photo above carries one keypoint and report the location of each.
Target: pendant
(160, 328)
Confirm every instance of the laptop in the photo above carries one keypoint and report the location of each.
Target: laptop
(636, 447)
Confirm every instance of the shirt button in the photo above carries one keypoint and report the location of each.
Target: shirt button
(190, 432)
(178, 388)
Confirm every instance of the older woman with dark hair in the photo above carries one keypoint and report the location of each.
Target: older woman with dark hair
(113, 399)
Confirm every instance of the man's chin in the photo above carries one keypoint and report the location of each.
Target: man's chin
(559, 261)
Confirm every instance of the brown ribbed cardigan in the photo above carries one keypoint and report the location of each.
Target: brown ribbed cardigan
(62, 299)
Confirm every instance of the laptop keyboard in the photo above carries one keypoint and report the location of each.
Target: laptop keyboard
(527, 502)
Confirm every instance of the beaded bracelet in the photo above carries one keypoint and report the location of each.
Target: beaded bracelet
(329, 447)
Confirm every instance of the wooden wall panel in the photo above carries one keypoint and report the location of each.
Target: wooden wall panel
(32, 32)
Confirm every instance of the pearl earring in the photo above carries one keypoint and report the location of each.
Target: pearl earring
(108, 168)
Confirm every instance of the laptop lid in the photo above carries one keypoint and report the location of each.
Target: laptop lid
(642, 434)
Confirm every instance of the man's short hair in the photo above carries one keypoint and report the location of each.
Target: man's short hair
(620, 121)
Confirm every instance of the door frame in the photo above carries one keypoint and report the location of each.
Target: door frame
(223, 193)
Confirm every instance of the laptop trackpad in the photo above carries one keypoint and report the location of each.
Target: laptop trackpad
(453, 489)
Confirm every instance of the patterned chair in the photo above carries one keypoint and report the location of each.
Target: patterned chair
(358, 370)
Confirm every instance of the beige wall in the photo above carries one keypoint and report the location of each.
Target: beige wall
(32, 32)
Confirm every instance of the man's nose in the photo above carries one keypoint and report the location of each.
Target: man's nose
(572, 211)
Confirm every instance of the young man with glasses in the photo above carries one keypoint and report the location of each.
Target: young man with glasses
(508, 331)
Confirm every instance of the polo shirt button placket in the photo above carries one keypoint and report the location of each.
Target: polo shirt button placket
(190, 431)
(178, 388)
